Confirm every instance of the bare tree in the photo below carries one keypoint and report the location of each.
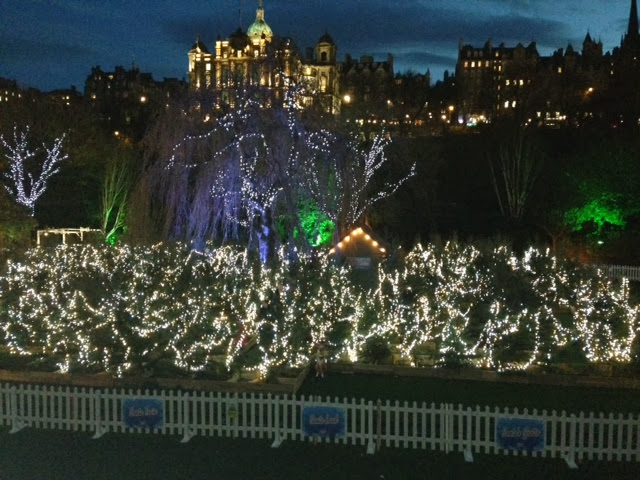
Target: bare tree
(116, 188)
(513, 173)
(343, 185)
(22, 185)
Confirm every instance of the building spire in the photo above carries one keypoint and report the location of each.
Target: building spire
(632, 32)
(260, 11)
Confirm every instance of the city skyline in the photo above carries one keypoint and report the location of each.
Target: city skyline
(53, 44)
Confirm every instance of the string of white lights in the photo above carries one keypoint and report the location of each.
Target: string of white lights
(120, 308)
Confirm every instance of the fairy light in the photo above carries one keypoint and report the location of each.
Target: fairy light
(114, 308)
(352, 236)
(253, 163)
(23, 186)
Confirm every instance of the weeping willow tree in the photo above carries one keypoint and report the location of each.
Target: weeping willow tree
(261, 173)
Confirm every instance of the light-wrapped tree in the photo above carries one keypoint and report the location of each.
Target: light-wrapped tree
(24, 185)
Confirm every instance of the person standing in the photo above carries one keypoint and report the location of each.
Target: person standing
(321, 360)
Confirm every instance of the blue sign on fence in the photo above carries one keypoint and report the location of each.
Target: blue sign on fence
(143, 412)
(520, 434)
(319, 421)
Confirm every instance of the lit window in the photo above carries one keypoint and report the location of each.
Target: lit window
(506, 104)
(521, 82)
(486, 64)
(208, 67)
(559, 69)
(507, 82)
(473, 64)
(466, 64)
(513, 104)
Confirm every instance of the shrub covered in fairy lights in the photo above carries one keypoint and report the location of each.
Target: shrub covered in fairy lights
(119, 309)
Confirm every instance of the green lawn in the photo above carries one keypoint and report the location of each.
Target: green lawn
(472, 393)
(52, 455)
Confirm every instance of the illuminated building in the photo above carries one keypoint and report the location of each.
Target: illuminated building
(567, 87)
(125, 99)
(66, 97)
(255, 58)
(9, 91)
(260, 58)
(367, 79)
(320, 75)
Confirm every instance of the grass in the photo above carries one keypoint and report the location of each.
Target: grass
(52, 455)
(472, 393)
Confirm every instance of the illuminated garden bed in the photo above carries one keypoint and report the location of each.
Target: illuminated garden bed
(168, 310)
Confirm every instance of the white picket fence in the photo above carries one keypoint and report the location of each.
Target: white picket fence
(444, 427)
(632, 272)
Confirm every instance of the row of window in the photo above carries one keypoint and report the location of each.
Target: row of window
(479, 63)
(479, 53)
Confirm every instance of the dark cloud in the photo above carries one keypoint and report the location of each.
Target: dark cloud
(23, 49)
(424, 58)
(184, 30)
(158, 33)
(447, 26)
(383, 24)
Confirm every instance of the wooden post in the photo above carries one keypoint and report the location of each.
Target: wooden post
(186, 428)
(378, 424)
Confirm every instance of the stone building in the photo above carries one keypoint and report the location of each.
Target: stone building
(260, 58)
(124, 99)
(256, 57)
(320, 75)
(567, 87)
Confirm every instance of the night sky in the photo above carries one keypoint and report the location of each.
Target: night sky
(51, 44)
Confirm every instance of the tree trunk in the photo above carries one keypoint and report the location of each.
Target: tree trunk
(266, 237)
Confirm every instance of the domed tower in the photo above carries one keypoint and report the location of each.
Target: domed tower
(259, 29)
(326, 50)
(320, 72)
